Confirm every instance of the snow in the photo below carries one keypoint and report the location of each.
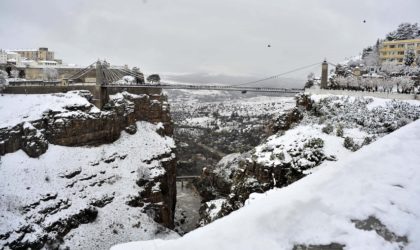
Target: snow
(295, 139)
(216, 206)
(18, 108)
(24, 180)
(379, 180)
(380, 102)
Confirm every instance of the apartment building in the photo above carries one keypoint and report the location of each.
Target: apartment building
(41, 54)
(394, 51)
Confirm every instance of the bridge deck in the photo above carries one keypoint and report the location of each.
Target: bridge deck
(208, 87)
(187, 177)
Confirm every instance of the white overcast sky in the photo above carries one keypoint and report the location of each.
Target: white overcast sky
(202, 36)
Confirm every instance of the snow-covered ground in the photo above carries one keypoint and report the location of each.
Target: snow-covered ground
(15, 109)
(69, 179)
(379, 181)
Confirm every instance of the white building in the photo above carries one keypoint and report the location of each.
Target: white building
(14, 58)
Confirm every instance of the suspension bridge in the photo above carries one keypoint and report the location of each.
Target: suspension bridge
(108, 76)
(110, 79)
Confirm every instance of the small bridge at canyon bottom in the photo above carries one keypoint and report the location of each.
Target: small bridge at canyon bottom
(110, 80)
(186, 178)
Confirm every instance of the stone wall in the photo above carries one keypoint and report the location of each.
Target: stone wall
(37, 73)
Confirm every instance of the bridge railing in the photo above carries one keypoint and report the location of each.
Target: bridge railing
(210, 87)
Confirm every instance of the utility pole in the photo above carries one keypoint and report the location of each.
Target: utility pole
(324, 74)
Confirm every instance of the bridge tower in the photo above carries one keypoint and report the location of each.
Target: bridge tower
(101, 96)
(324, 74)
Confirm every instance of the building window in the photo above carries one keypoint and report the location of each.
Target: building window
(400, 52)
(392, 46)
(400, 45)
(400, 60)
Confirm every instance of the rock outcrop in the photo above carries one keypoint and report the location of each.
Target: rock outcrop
(81, 125)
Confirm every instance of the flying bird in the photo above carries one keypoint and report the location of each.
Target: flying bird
(269, 46)
(364, 21)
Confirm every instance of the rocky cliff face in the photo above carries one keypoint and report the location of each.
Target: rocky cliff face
(82, 125)
(89, 197)
(312, 133)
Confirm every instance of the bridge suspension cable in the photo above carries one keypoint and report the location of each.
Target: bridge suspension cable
(82, 72)
(276, 76)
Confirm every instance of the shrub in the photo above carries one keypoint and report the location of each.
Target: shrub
(350, 144)
(328, 129)
(340, 131)
(314, 143)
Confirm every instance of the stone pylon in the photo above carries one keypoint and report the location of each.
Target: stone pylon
(324, 75)
(101, 94)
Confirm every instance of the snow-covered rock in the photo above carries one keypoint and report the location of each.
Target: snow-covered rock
(311, 141)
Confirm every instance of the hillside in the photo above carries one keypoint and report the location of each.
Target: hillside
(368, 201)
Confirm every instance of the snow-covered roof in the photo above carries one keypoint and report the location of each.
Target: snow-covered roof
(379, 181)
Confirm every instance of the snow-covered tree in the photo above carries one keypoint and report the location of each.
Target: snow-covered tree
(310, 82)
(14, 73)
(391, 68)
(409, 57)
(404, 31)
(370, 55)
(50, 74)
(404, 84)
(3, 77)
(155, 78)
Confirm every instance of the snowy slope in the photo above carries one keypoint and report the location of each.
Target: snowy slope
(379, 181)
(65, 180)
(15, 109)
